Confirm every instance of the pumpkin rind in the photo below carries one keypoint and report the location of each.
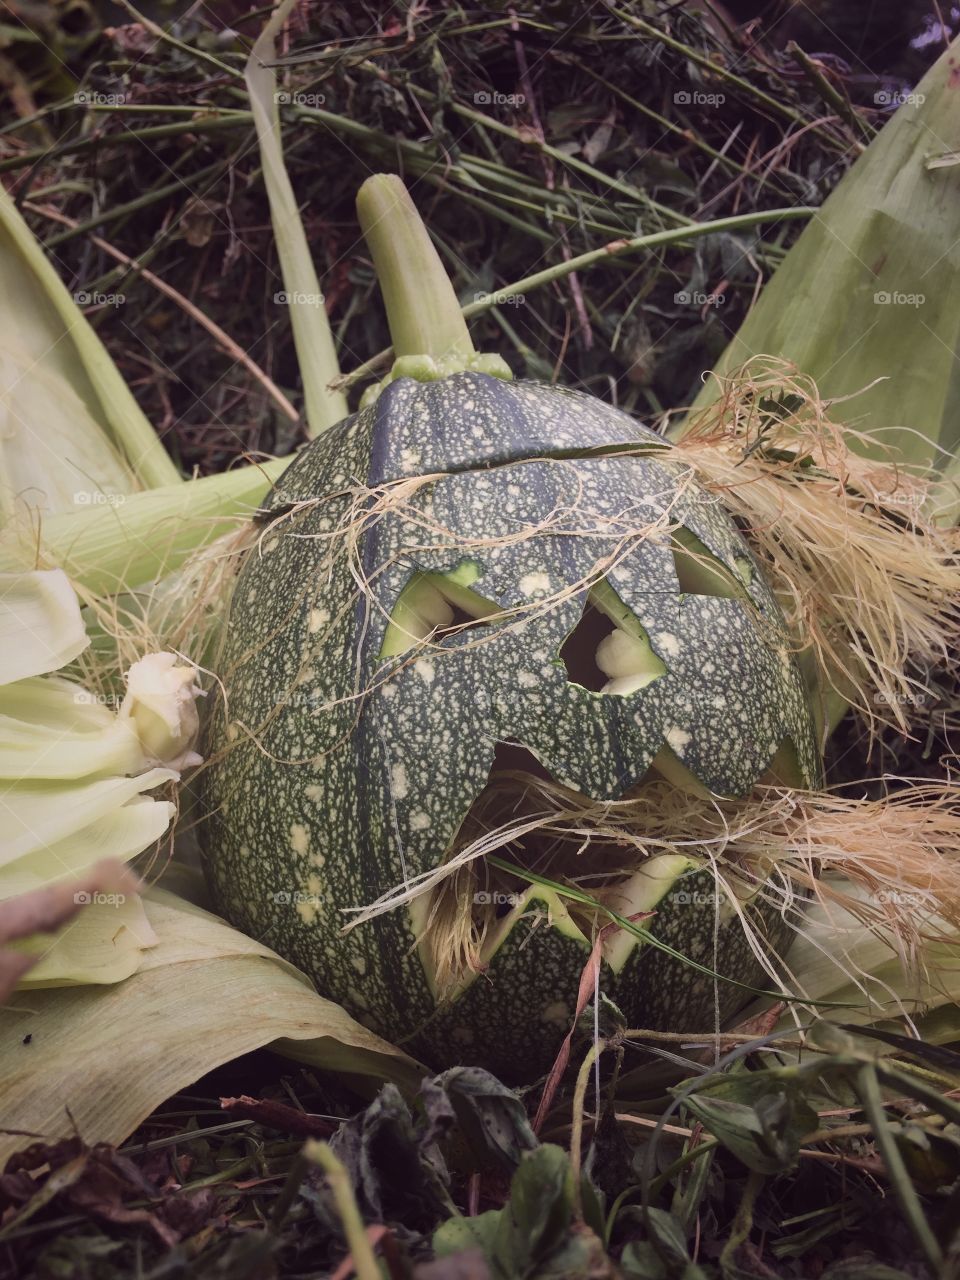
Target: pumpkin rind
(339, 775)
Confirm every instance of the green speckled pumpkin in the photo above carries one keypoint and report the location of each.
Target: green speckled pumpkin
(365, 766)
(408, 611)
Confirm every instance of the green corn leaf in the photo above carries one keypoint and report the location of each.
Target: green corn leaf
(868, 291)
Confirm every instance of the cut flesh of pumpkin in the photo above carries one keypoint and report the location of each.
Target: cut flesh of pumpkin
(430, 602)
(700, 573)
(535, 899)
(624, 655)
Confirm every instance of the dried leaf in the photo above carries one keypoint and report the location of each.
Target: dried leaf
(103, 1058)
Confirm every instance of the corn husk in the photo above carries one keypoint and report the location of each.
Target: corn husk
(71, 433)
(866, 298)
(28, 921)
(843, 959)
(75, 776)
(108, 549)
(109, 1055)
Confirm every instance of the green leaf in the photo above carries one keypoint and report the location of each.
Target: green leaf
(761, 1117)
(457, 1235)
(536, 1218)
(869, 290)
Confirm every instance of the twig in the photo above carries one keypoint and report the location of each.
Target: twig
(191, 50)
(826, 90)
(223, 339)
(701, 59)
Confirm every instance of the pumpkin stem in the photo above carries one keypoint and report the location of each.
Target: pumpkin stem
(422, 308)
(430, 336)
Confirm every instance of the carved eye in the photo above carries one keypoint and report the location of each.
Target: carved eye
(608, 651)
(434, 605)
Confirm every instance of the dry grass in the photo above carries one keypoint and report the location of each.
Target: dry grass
(849, 543)
(900, 855)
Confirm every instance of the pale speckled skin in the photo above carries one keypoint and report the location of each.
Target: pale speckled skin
(349, 790)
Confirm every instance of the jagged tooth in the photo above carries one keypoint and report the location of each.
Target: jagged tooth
(643, 891)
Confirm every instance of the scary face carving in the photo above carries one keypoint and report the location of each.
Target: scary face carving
(465, 565)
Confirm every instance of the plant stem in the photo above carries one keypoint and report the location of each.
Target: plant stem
(198, 123)
(313, 337)
(611, 250)
(870, 1097)
(190, 50)
(118, 211)
(422, 309)
(701, 59)
(690, 1155)
(576, 1128)
(616, 247)
(361, 1251)
(743, 1222)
